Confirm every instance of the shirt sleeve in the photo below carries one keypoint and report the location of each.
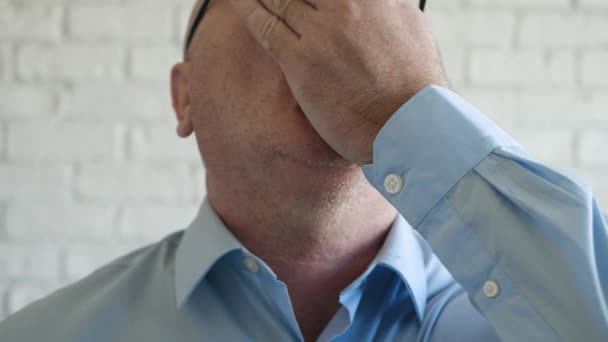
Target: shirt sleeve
(526, 241)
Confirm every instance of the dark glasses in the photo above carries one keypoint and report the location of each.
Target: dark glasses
(201, 12)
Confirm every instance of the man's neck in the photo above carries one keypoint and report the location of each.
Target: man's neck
(308, 223)
(317, 239)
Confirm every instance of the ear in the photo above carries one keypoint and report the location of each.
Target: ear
(180, 95)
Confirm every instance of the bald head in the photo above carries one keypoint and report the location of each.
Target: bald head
(198, 12)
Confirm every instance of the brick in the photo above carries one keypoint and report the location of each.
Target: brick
(131, 183)
(130, 22)
(59, 222)
(561, 68)
(181, 23)
(151, 223)
(522, 4)
(564, 108)
(432, 6)
(2, 142)
(592, 147)
(454, 63)
(596, 178)
(564, 29)
(70, 62)
(523, 68)
(554, 147)
(64, 141)
(5, 63)
(153, 63)
(23, 294)
(3, 306)
(27, 101)
(593, 4)
(197, 187)
(595, 68)
(183, 10)
(500, 105)
(29, 22)
(80, 260)
(2, 220)
(161, 143)
(473, 28)
(33, 181)
(28, 261)
(102, 102)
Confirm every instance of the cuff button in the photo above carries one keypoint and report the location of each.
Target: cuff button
(393, 183)
(491, 289)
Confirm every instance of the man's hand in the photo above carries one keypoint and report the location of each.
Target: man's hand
(350, 64)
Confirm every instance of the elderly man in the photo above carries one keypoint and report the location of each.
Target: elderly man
(351, 197)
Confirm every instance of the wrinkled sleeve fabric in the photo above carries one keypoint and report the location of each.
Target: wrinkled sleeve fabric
(493, 214)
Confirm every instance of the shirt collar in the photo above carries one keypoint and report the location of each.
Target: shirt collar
(402, 253)
(204, 242)
(207, 239)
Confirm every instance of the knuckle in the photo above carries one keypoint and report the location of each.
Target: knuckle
(267, 29)
(283, 8)
(349, 9)
(281, 5)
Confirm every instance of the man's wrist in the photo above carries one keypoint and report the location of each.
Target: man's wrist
(384, 112)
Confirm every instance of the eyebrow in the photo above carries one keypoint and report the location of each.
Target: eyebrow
(201, 12)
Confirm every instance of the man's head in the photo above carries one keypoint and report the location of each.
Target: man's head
(233, 96)
(266, 167)
(200, 8)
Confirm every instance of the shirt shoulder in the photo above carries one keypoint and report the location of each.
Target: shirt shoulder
(455, 318)
(105, 305)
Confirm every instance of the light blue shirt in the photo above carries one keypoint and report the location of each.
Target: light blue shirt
(490, 245)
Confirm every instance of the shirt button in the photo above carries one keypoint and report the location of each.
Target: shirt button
(393, 183)
(491, 289)
(251, 264)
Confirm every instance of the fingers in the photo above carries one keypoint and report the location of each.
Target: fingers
(279, 40)
(297, 14)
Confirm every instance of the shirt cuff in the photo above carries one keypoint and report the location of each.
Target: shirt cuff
(430, 143)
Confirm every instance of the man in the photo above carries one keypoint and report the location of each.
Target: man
(342, 177)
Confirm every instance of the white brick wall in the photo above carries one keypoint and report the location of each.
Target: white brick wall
(27, 100)
(63, 141)
(594, 66)
(5, 58)
(567, 29)
(522, 68)
(140, 21)
(84, 62)
(16, 20)
(90, 166)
